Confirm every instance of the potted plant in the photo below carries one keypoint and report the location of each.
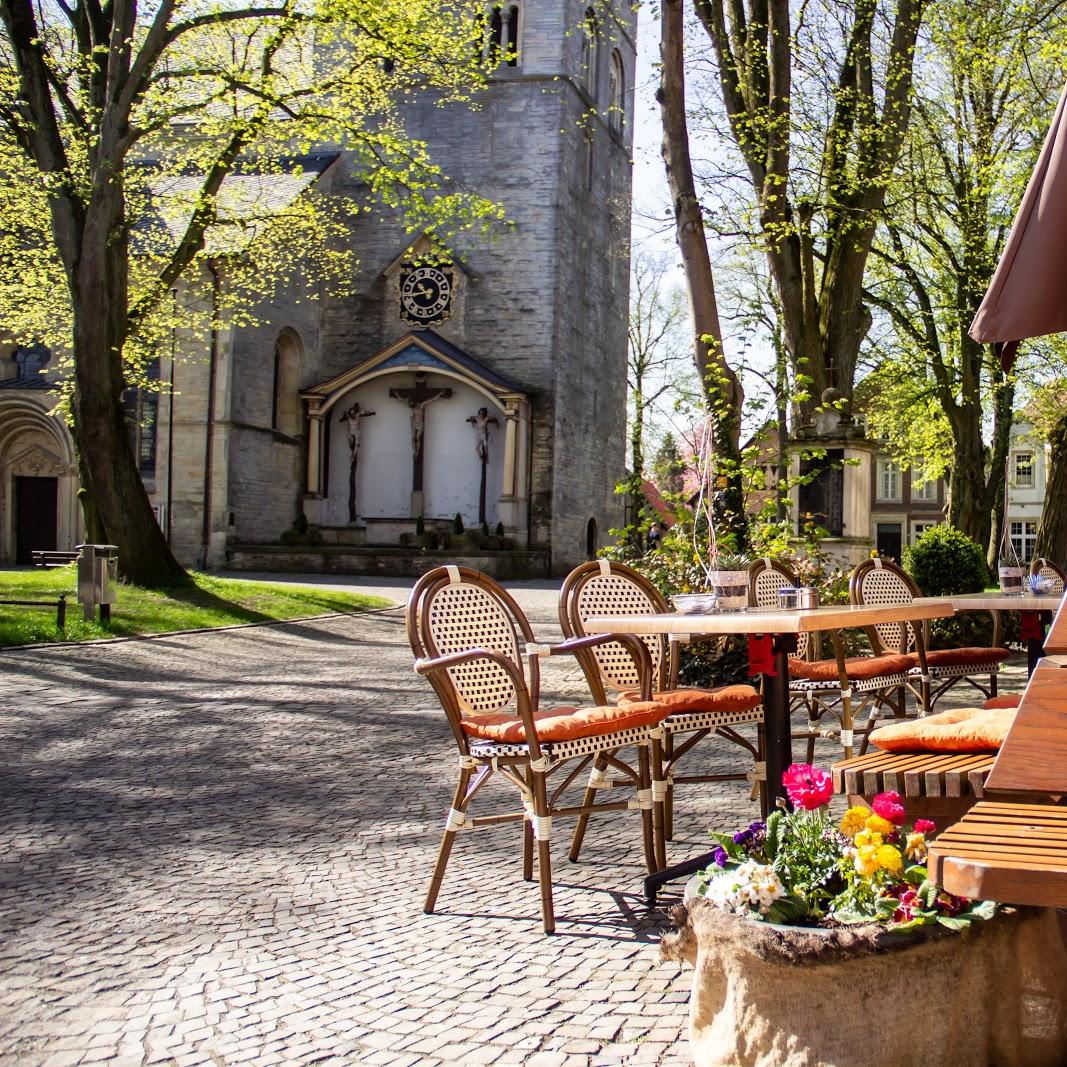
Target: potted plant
(807, 929)
(458, 538)
(728, 580)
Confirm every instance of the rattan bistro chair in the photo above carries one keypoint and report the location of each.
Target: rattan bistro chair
(1047, 569)
(475, 646)
(825, 687)
(878, 581)
(605, 588)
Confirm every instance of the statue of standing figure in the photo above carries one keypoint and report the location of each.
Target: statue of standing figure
(481, 423)
(353, 418)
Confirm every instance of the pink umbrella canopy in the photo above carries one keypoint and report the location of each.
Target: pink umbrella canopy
(1028, 294)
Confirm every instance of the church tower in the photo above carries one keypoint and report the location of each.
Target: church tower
(492, 386)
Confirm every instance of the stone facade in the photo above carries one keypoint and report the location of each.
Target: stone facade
(542, 304)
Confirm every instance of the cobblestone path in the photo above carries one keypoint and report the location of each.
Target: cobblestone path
(214, 847)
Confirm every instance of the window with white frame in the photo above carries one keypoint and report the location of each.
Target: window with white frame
(1024, 539)
(502, 34)
(922, 491)
(1023, 464)
(616, 93)
(590, 52)
(920, 526)
(887, 480)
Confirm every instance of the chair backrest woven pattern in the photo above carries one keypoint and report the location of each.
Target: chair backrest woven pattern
(1049, 570)
(768, 580)
(615, 594)
(880, 585)
(461, 617)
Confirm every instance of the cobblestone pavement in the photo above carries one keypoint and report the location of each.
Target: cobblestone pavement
(214, 847)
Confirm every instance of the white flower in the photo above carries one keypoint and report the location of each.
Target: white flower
(752, 885)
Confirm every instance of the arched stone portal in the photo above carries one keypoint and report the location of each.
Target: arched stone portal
(417, 430)
(38, 478)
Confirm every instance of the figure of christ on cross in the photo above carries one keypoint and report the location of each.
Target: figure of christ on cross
(353, 417)
(417, 399)
(481, 423)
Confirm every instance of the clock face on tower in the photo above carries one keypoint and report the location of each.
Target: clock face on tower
(426, 294)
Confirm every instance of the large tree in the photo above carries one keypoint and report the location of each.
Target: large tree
(818, 103)
(981, 103)
(122, 125)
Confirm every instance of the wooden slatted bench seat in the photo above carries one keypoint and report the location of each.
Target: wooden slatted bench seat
(931, 784)
(1016, 853)
(45, 558)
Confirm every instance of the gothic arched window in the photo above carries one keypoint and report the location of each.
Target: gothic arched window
(590, 52)
(616, 93)
(285, 401)
(502, 39)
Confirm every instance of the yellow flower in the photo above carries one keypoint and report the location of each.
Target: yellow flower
(854, 820)
(868, 839)
(879, 825)
(915, 847)
(866, 860)
(889, 858)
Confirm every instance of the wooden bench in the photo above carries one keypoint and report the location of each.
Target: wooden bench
(43, 558)
(932, 785)
(1017, 852)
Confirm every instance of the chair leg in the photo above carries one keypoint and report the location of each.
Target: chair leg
(599, 763)
(658, 798)
(527, 851)
(542, 831)
(809, 707)
(647, 825)
(668, 799)
(846, 725)
(459, 805)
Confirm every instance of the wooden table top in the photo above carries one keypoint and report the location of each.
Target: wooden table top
(1033, 758)
(995, 601)
(1056, 639)
(771, 620)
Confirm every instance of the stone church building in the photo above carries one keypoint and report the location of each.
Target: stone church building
(490, 386)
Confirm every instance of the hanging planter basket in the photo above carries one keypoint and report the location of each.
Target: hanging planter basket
(781, 996)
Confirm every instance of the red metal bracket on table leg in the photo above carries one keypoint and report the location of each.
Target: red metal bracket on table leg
(1031, 626)
(761, 655)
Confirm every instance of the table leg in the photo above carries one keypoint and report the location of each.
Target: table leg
(777, 748)
(1032, 625)
(777, 729)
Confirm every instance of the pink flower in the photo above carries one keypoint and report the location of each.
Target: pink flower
(807, 787)
(925, 826)
(888, 805)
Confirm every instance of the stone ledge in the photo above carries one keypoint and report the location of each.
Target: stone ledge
(387, 561)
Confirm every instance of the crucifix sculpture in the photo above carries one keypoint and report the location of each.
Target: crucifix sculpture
(353, 417)
(481, 423)
(417, 399)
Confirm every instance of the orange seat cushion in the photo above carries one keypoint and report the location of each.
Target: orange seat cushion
(1007, 700)
(958, 730)
(724, 698)
(961, 657)
(565, 724)
(856, 668)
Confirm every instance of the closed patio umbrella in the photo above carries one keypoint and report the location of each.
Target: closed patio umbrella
(1028, 294)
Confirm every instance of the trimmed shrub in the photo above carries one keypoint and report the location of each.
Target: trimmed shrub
(945, 560)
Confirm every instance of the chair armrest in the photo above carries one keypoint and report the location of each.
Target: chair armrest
(576, 645)
(428, 666)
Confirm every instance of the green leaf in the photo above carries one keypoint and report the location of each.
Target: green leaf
(927, 893)
(786, 911)
(915, 874)
(774, 833)
(954, 922)
(982, 909)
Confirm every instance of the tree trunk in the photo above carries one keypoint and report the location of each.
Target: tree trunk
(722, 388)
(1052, 529)
(117, 494)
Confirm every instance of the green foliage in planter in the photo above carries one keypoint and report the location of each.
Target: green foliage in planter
(457, 524)
(499, 531)
(420, 526)
(945, 560)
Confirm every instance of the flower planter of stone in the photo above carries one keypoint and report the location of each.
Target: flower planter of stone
(778, 996)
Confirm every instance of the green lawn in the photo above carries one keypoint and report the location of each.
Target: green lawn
(210, 602)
